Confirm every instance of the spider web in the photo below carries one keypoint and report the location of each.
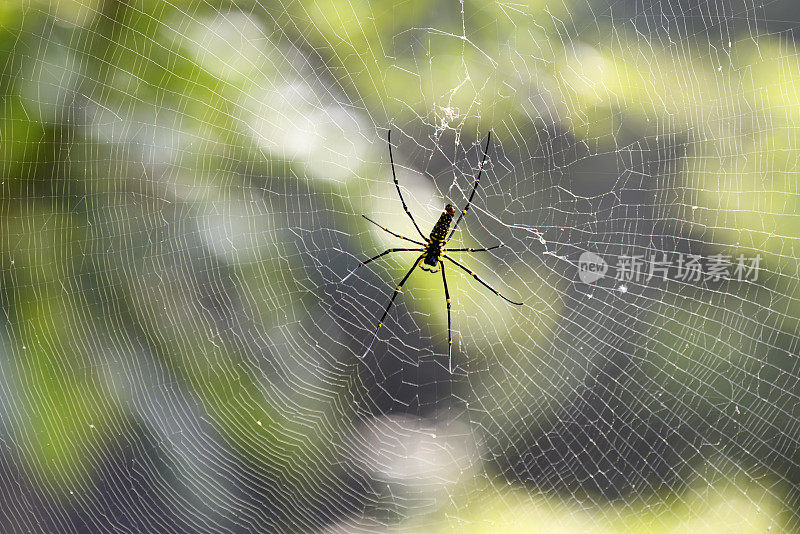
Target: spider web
(183, 186)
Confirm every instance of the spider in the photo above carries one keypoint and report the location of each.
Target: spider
(433, 250)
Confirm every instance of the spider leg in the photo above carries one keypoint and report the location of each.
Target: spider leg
(388, 307)
(394, 234)
(474, 187)
(391, 158)
(484, 284)
(474, 249)
(378, 256)
(449, 330)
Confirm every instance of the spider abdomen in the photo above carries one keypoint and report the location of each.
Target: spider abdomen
(437, 240)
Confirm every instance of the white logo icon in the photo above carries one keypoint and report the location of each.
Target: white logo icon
(591, 267)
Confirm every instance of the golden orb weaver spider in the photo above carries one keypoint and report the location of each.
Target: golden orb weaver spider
(433, 250)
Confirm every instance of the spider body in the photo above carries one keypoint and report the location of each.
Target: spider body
(432, 251)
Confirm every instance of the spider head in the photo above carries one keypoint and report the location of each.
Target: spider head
(449, 210)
